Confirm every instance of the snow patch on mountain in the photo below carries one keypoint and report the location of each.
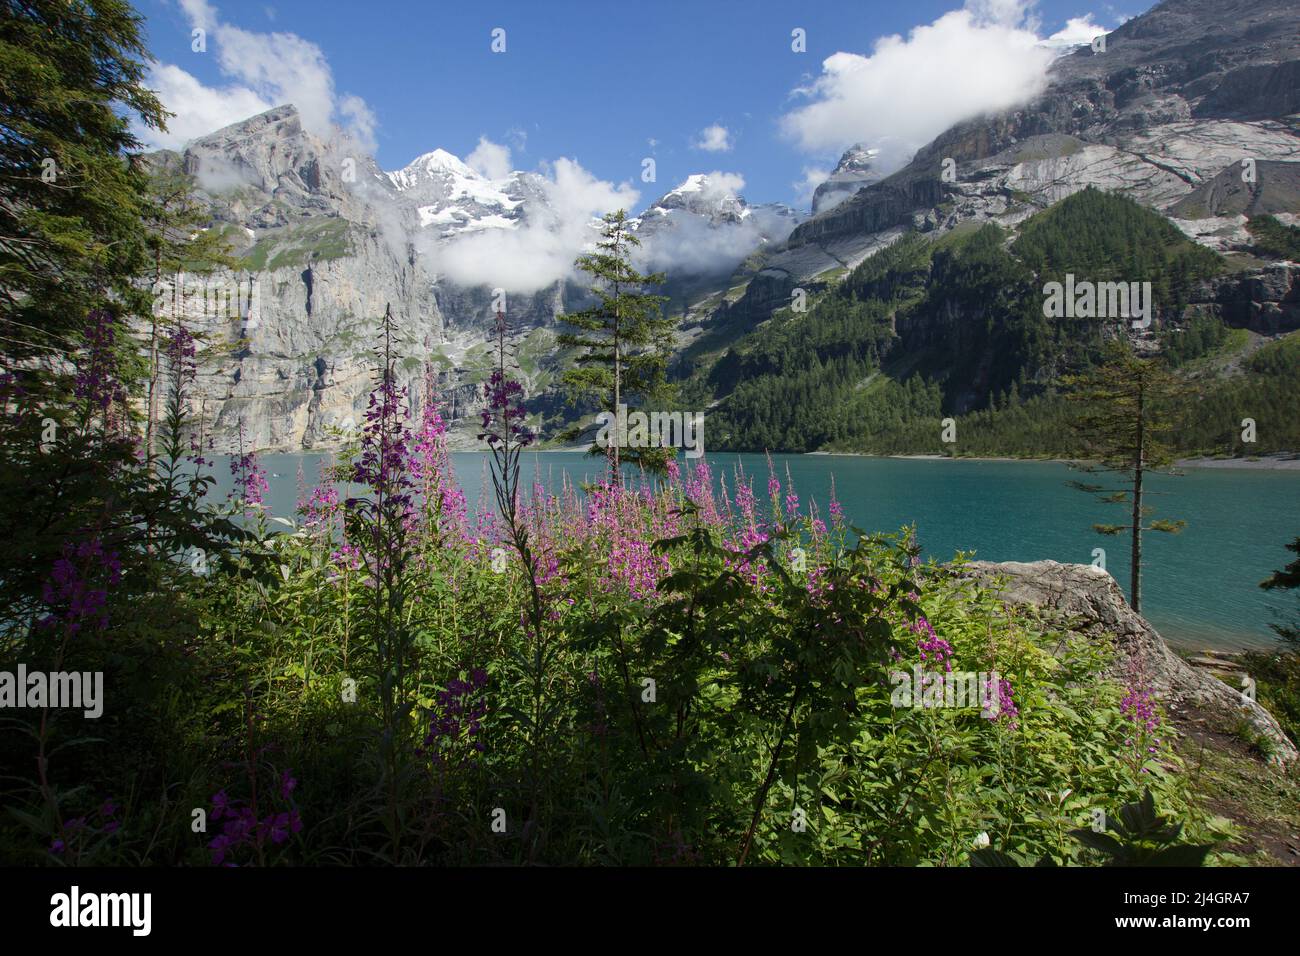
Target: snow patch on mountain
(704, 226)
(856, 168)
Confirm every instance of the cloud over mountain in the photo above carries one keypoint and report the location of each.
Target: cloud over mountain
(262, 70)
(539, 249)
(982, 58)
(714, 139)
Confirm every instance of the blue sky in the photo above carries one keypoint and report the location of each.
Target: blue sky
(610, 84)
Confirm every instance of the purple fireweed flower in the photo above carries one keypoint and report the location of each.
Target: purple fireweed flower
(835, 508)
(503, 418)
(250, 480)
(220, 804)
(1138, 706)
(1007, 710)
(243, 830)
(76, 591)
(384, 462)
(96, 381)
(321, 506)
(932, 647)
(432, 472)
(745, 501)
(456, 720)
(180, 350)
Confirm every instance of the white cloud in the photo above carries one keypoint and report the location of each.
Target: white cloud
(714, 139)
(1077, 32)
(813, 176)
(694, 244)
(541, 250)
(489, 158)
(199, 109)
(983, 58)
(263, 70)
(359, 120)
(1006, 13)
(720, 185)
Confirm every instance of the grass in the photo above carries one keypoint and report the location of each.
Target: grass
(318, 240)
(1262, 803)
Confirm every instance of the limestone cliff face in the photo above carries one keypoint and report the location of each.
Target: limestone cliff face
(327, 241)
(287, 338)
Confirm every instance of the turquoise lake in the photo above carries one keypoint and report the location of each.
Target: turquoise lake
(1200, 587)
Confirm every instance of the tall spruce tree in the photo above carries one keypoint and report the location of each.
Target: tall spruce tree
(76, 262)
(72, 189)
(1125, 419)
(625, 339)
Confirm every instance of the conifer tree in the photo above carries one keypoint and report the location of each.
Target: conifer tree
(178, 243)
(1287, 579)
(624, 337)
(72, 194)
(1125, 425)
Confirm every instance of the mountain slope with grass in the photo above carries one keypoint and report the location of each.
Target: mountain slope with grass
(954, 326)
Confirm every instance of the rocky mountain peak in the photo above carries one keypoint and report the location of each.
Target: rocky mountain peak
(855, 169)
(451, 197)
(268, 170)
(713, 197)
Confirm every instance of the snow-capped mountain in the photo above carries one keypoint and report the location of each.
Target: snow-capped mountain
(450, 196)
(329, 241)
(714, 198)
(704, 226)
(854, 170)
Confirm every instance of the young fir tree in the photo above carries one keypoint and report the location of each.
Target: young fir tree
(625, 338)
(1125, 406)
(178, 244)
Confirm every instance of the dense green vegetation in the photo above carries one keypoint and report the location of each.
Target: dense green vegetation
(927, 330)
(1277, 674)
(1274, 239)
(643, 676)
(315, 241)
(1109, 238)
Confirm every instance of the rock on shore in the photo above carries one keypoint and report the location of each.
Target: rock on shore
(1086, 600)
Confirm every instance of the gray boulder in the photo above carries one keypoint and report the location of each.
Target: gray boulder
(1087, 600)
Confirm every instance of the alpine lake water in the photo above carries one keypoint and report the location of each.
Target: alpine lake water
(1200, 587)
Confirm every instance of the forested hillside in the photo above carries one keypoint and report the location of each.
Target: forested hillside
(956, 327)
